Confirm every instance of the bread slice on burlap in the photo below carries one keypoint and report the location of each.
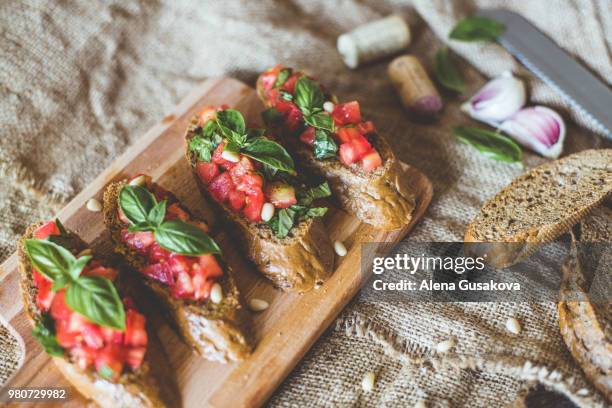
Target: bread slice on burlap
(586, 325)
(540, 205)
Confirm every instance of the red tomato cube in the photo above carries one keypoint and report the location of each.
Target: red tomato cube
(111, 335)
(291, 113)
(109, 358)
(92, 336)
(76, 322)
(202, 286)
(59, 308)
(65, 338)
(347, 113)
(134, 357)
(346, 134)
(135, 331)
(210, 267)
(371, 161)
(45, 296)
(236, 200)
(308, 136)
(362, 146)
(207, 171)
(183, 287)
(83, 356)
(221, 186)
(217, 157)
(254, 202)
(160, 272)
(348, 153)
(46, 230)
(289, 84)
(268, 78)
(138, 241)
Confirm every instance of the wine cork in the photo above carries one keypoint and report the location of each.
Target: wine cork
(418, 94)
(374, 40)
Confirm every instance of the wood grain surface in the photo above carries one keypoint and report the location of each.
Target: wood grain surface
(283, 333)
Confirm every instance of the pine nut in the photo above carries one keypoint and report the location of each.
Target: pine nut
(340, 248)
(420, 404)
(513, 325)
(445, 346)
(367, 383)
(258, 305)
(138, 181)
(94, 205)
(328, 107)
(216, 293)
(267, 212)
(85, 252)
(230, 156)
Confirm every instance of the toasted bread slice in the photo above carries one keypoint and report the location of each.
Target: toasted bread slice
(380, 198)
(149, 386)
(298, 262)
(540, 205)
(586, 326)
(213, 330)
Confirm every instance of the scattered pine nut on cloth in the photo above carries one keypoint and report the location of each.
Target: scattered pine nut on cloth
(81, 81)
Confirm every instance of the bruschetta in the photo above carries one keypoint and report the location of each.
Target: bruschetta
(96, 338)
(252, 181)
(331, 140)
(181, 265)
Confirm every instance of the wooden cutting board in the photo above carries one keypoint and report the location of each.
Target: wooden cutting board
(283, 333)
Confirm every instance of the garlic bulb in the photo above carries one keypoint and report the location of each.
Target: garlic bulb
(537, 128)
(499, 99)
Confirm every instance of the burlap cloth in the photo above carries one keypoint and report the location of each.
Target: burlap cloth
(80, 81)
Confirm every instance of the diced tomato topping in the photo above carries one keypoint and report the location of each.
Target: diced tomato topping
(242, 168)
(76, 322)
(207, 171)
(183, 287)
(65, 338)
(110, 358)
(210, 267)
(83, 356)
(273, 96)
(348, 153)
(289, 84)
(371, 161)
(237, 200)
(362, 146)
(201, 286)
(46, 230)
(111, 335)
(160, 272)
(268, 78)
(92, 336)
(221, 186)
(280, 194)
(308, 136)
(139, 240)
(347, 113)
(217, 157)
(176, 211)
(135, 331)
(292, 114)
(366, 128)
(208, 113)
(135, 356)
(59, 308)
(254, 203)
(346, 134)
(44, 295)
(108, 273)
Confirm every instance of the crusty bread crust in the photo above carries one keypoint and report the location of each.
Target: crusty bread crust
(297, 263)
(212, 330)
(140, 389)
(586, 327)
(381, 198)
(541, 204)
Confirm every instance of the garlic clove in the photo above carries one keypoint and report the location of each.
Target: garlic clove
(499, 99)
(538, 128)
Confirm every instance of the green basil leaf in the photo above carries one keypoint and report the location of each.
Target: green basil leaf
(316, 212)
(44, 332)
(231, 119)
(106, 372)
(271, 116)
(491, 144)
(447, 73)
(141, 226)
(282, 77)
(201, 147)
(306, 197)
(48, 258)
(286, 96)
(269, 172)
(97, 299)
(61, 227)
(136, 202)
(269, 152)
(185, 239)
(60, 283)
(77, 266)
(477, 29)
(157, 213)
(282, 222)
(320, 121)
(308, 95)
(255, 133)
(325, 146)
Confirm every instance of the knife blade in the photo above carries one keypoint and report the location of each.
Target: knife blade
(587, 94)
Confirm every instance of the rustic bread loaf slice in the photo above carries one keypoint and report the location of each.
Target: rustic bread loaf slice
(149, 386)
(212, 330)
(586, 326)
(299, 262)
(540, 205)
(381, 198)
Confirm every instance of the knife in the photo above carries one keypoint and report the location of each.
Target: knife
(543, 57)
